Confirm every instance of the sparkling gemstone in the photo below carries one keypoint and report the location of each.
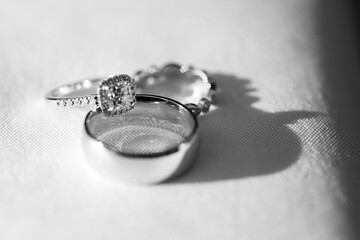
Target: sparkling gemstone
(117, 93)
(80, 101)
(87, 100)
(75, 102)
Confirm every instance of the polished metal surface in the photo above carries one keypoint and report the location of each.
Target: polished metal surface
(152, 143)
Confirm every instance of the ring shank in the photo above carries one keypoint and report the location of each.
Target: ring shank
(80, 93)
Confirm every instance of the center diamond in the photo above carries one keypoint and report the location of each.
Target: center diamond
(117, 95)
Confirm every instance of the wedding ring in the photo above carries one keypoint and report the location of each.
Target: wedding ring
(155, 141)
(114, 95)
(185, 84)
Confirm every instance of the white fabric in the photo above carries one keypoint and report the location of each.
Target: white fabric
(270, 163)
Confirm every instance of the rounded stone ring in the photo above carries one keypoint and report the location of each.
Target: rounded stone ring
(114, 95)
(152, 143)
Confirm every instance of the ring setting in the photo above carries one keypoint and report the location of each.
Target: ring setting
(76, 101)
(117, 95)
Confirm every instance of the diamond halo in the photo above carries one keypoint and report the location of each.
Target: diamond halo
(116, 95)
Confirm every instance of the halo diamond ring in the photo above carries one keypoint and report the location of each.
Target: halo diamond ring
(114, 95)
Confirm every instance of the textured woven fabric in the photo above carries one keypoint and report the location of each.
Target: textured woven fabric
(279, 154)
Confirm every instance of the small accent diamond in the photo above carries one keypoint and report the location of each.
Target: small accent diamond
(76, 102)
(80, 101)
(71, 102)
(87, 99)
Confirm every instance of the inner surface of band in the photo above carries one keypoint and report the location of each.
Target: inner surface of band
(156, 126)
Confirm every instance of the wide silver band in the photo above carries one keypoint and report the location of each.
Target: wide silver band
(142, 167)
(80, 93)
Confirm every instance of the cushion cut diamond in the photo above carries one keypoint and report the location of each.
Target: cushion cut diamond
(117, 95)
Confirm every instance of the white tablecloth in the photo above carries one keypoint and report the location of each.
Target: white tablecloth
(278, 158)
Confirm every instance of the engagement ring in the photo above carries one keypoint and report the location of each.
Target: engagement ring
(114, 95)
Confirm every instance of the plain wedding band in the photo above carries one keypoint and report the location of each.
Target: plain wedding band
(152, 143)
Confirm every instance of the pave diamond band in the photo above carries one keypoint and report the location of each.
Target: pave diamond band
(77, 101)
(80, 93)
(114, 95)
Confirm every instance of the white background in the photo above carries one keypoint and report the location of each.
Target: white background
(273, 163)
